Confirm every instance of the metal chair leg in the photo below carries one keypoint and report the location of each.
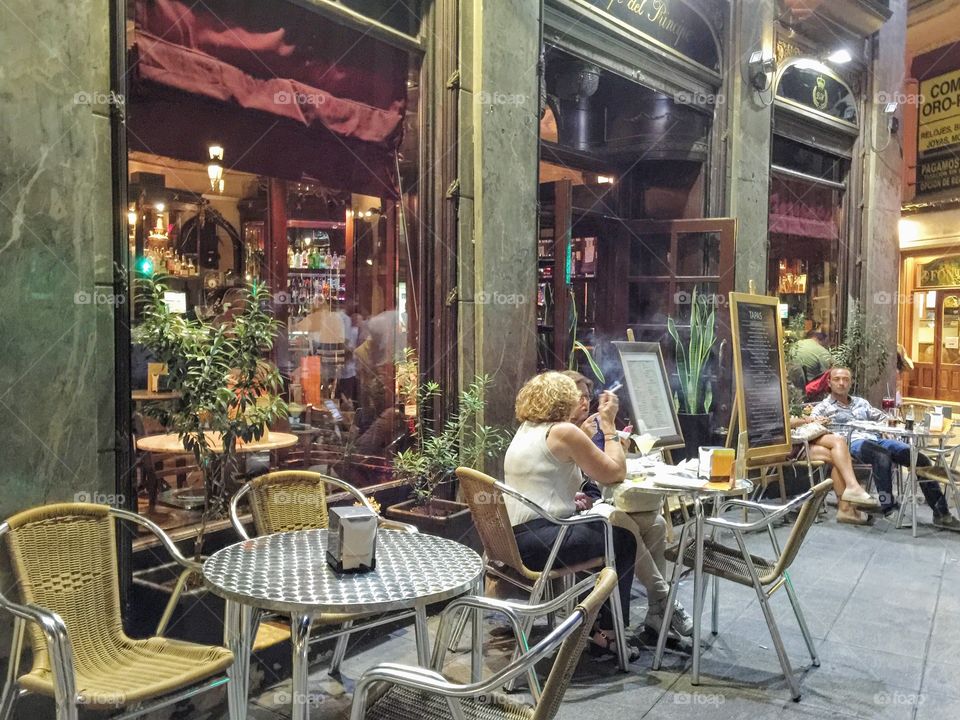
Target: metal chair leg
(458, 631)
(801, 620)
(715, 605)
(10, 689)
(778, 644)
(671, 599)
(340, 650)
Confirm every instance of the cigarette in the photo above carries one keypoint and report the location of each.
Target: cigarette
(616, 386)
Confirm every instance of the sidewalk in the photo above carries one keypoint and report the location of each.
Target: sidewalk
(884, 610)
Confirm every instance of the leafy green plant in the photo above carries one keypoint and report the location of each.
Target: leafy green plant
(579, 346)
(794, 332)
(863, 350)
(695, 392)
(221, 381)
(461, 440)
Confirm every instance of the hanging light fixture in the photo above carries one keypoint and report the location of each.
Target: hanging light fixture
(215, 168)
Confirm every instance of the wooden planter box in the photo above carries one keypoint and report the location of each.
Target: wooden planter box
(446, 518)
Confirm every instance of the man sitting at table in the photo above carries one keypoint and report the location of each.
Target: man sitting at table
(880, 453)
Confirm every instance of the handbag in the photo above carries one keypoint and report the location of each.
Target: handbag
(808, 432)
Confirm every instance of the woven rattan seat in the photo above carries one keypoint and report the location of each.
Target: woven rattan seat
(64, 559)
(936, 473)
(485, 497)
(735, 563)
(402, 690)
(401, 703)
(726, 562)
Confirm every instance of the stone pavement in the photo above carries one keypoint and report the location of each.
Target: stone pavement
(884, 610)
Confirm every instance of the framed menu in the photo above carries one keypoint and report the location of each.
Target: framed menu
(648, 386)
(763, 410)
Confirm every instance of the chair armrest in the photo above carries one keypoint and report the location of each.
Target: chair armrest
(385, 524)
(235, 512)
(748, 504)
(161, 535)
(766, 521)
(59, 647)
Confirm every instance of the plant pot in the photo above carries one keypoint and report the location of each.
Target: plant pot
(446, 518)
(696, 432)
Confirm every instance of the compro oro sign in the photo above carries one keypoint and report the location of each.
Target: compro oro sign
(938, 133)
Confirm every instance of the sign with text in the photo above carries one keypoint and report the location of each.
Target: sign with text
(763, 410)
(941, 272)
(669, 22)
(938, 133)
(648, 386)
(814, 89)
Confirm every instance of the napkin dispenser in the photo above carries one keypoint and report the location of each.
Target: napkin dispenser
(352, 539)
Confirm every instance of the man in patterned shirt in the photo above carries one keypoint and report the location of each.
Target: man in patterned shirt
(841, 407)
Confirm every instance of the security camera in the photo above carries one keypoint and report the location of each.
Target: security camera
(759, 69)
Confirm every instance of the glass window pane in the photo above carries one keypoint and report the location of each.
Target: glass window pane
(650, 254)
(698, 253)
(649, 303)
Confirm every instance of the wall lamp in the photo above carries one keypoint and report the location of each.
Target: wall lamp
(215, 168)
(760, 69)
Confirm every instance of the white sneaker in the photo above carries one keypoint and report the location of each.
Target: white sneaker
(681, 623)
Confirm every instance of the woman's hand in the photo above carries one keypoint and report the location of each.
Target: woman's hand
(609, 404)
(589, 426)
(582, 501)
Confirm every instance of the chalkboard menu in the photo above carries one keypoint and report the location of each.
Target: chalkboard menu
(648, 386)
(762, 405)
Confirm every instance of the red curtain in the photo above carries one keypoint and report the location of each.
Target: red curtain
(286, 92)
(803, 208)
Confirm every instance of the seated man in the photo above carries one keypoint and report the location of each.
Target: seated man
(842, 407)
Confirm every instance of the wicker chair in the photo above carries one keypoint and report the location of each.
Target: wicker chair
(943, 471)
(399, 692)
(502, 558)
(64, 559)
(764, 576)
(297, 500)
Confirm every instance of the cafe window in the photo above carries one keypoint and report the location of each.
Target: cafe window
(805, 230)
(291, 165)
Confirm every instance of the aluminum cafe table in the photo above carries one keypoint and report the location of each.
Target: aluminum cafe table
(288, 573)
(686, 486)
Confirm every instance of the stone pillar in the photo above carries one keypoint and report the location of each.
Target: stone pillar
(750, 137)
(56, 256)
(882, 168)
(497, 226)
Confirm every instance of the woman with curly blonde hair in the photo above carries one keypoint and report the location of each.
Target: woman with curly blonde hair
(545, 462)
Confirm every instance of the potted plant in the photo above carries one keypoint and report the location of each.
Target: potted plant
(694, 394)
(435, 454)
(221, 381)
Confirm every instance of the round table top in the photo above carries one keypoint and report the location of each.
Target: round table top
(171, 443)
(288, 572)
(919, 431)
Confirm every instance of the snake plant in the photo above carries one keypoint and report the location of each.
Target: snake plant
(695, 393)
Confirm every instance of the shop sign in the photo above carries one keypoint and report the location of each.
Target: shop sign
(669, 22)
(942, 272)
(938, 133)
(808, 86)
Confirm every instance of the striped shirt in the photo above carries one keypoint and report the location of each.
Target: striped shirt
(856, 409)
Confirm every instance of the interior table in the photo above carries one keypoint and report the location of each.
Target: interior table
(669, 480)
(288, 573)
(171, 443)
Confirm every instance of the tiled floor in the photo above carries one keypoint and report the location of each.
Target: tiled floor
(884, 610)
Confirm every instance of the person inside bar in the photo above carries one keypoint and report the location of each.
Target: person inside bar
(545, 462)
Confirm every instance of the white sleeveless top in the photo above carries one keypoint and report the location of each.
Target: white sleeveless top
(531, 469)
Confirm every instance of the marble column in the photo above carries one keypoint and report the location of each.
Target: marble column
(498, 155)
(749, 152)
(56, 265)
(882, 168)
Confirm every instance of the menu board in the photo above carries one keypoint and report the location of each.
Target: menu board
(648, 386)
(762, 406)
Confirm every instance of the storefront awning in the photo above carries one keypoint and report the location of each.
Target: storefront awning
(285, 91)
